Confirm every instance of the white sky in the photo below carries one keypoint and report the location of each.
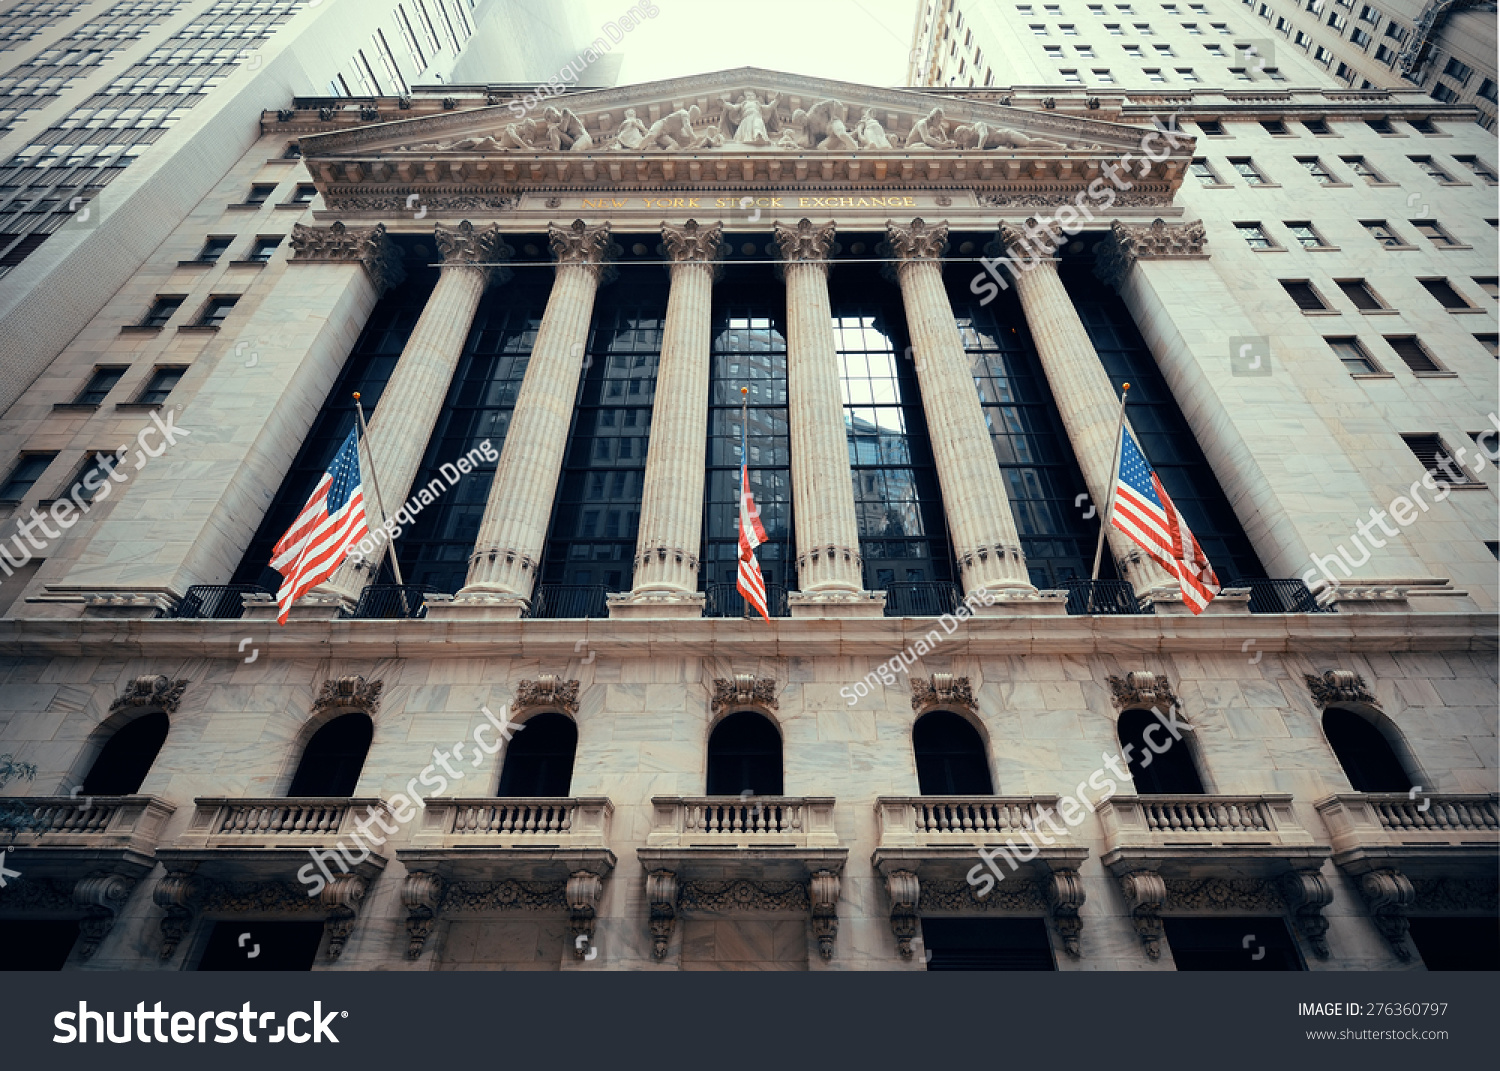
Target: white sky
(851, 40)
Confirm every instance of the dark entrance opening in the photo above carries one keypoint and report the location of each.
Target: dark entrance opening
(333, 758)
(36, 944)
(1458, 944)
(1232, 944)
(127, 756)
(244, 945)
(987, 945)
(744, 754)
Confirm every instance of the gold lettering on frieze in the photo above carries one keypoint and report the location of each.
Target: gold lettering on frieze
(748, 201)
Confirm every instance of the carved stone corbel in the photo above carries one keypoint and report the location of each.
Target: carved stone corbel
(177, 894)
(422, 895)
(744, 688)
(823, 897)
(584, 887)
(101, 898)
(943, 689)
(661, 892)
(341, 898)
(1145, 892)
(349, 693)
(1157, 240)
(546, 691)
(155, 691)
(1389, 893)
(1339, 686)
(1065, 895)
(1307, 894)
(906, 892)
(1142, 688)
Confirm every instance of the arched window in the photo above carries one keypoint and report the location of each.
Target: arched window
(539, 759)
(951, 757)
(126, 757)
(1363, 751)
(332, 761)
(744, 753)
(1165, 769)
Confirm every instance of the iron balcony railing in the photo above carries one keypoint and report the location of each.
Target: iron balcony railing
(568, 601)
(725, 600)
(1281, 597)
(392, 601)
(215, 601)
(924, 599)
(1103, 597)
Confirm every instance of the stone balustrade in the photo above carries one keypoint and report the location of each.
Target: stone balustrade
(721, 821)
(1396, 819)
(132, 822)
(939, 820)
(528, 822)
(1197, 820)
(288, 822)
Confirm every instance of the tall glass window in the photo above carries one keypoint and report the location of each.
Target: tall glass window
(367, 371)
(598, 504)
(903, 535)
(1042, 478)
(1160, 427)
(748, 350)
(435, 550)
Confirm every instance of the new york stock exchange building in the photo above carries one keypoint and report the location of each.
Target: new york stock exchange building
(559, 739)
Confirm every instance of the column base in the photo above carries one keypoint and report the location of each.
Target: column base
(1017, 602)
(1168, 603)
(836, 603)
(314, 606)
(479, 606)
(631, 604)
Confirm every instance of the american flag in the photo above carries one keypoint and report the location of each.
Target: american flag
(1145, 513)
(332, 521)
(751, 584)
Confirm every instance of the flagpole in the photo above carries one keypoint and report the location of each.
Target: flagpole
(375, 486)
(1114, 480)
(744, 476)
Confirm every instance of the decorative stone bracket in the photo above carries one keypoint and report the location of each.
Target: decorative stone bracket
(1389, 893)
(151, 691)
(744, 688)
(1307, 894)
(1142, 689)
(942, 689)
(1304, 892)
(1145, 894)
(182, 895)
(423, 894)
(1062, 889)
(1339, 686)
(101, 898)
(819, 896)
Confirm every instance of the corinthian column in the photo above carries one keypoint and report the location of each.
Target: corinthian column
(1085, 397)
(666, 550)
(411, 402)
(974, 496)
(828, 559)
(502, 569)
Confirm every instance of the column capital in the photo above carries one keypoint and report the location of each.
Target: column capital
(583, 245)
(369, 246)
(694, 243)
(916, 242)
(1157, 240)
(470, 246)
(805, 242)
(1031, 237)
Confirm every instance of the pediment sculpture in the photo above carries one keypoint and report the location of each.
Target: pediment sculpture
(751, 121)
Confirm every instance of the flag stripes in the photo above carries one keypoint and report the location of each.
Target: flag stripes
(319, 539)
(1144, 511)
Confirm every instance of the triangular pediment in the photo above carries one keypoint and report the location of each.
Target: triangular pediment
(746, 110)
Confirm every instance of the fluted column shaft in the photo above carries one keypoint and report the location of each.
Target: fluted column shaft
(1086, 400)
(514, 526)
(827, 529)
(671, 526)
(407, 413)
(980, 521)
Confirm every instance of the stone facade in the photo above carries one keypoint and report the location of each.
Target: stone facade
(636, 868)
